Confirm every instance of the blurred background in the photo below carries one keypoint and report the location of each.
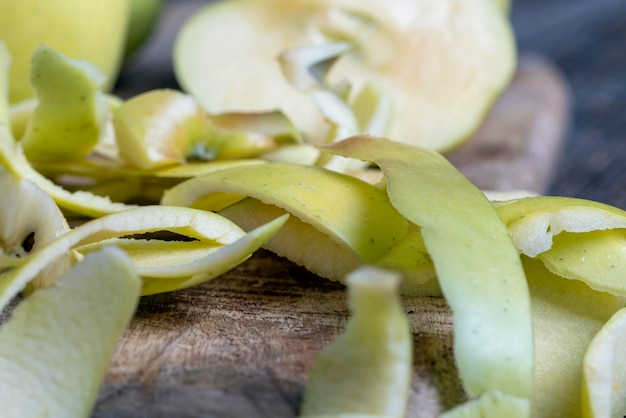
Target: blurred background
(585, 40)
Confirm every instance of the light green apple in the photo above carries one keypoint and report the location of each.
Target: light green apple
(94, 31)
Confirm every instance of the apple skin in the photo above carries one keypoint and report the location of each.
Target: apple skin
(143, 17)
(90, 30)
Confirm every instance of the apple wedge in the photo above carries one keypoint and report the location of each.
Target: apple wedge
(367, 370)
(442, 62)
(56, 347)
(339, 222)
(477, 265)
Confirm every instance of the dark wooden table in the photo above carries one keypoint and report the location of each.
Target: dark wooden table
(585, 39)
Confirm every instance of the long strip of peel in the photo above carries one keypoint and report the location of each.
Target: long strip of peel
(349, 210)
(368, 368)
(180, 259)
(478, 266)
(193, 223)
(215, 263)
(57, 345)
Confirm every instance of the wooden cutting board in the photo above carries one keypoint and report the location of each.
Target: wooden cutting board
(241, 345)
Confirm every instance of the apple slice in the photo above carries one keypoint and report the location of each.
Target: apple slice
(368, 368)
(477, 265)
(353, 214)
(71, 112)
(172, 265)
(604, 371)
(56, 347)
(442, 62)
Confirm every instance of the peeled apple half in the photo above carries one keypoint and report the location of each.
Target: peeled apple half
(442, 62)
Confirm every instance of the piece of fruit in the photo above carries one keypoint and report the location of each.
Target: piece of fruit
(56, 347)
(567, 314)
(368, 368)
(575, 238)
(477, 265)
(347, 213)
(91, 31)
(71, 112)
(443, 63)
(604, 371)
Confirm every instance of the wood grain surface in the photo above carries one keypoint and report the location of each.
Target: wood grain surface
(241, 345)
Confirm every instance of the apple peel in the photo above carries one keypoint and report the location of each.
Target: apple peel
(368, 368)
(193, 223)
(481, 276)
(575, 238)
(567, 315)
(604, 371)
(214, 264)
(56, 347)
(71, 112)
(366, 222)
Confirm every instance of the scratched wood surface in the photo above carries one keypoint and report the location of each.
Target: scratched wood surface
(241, 345)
